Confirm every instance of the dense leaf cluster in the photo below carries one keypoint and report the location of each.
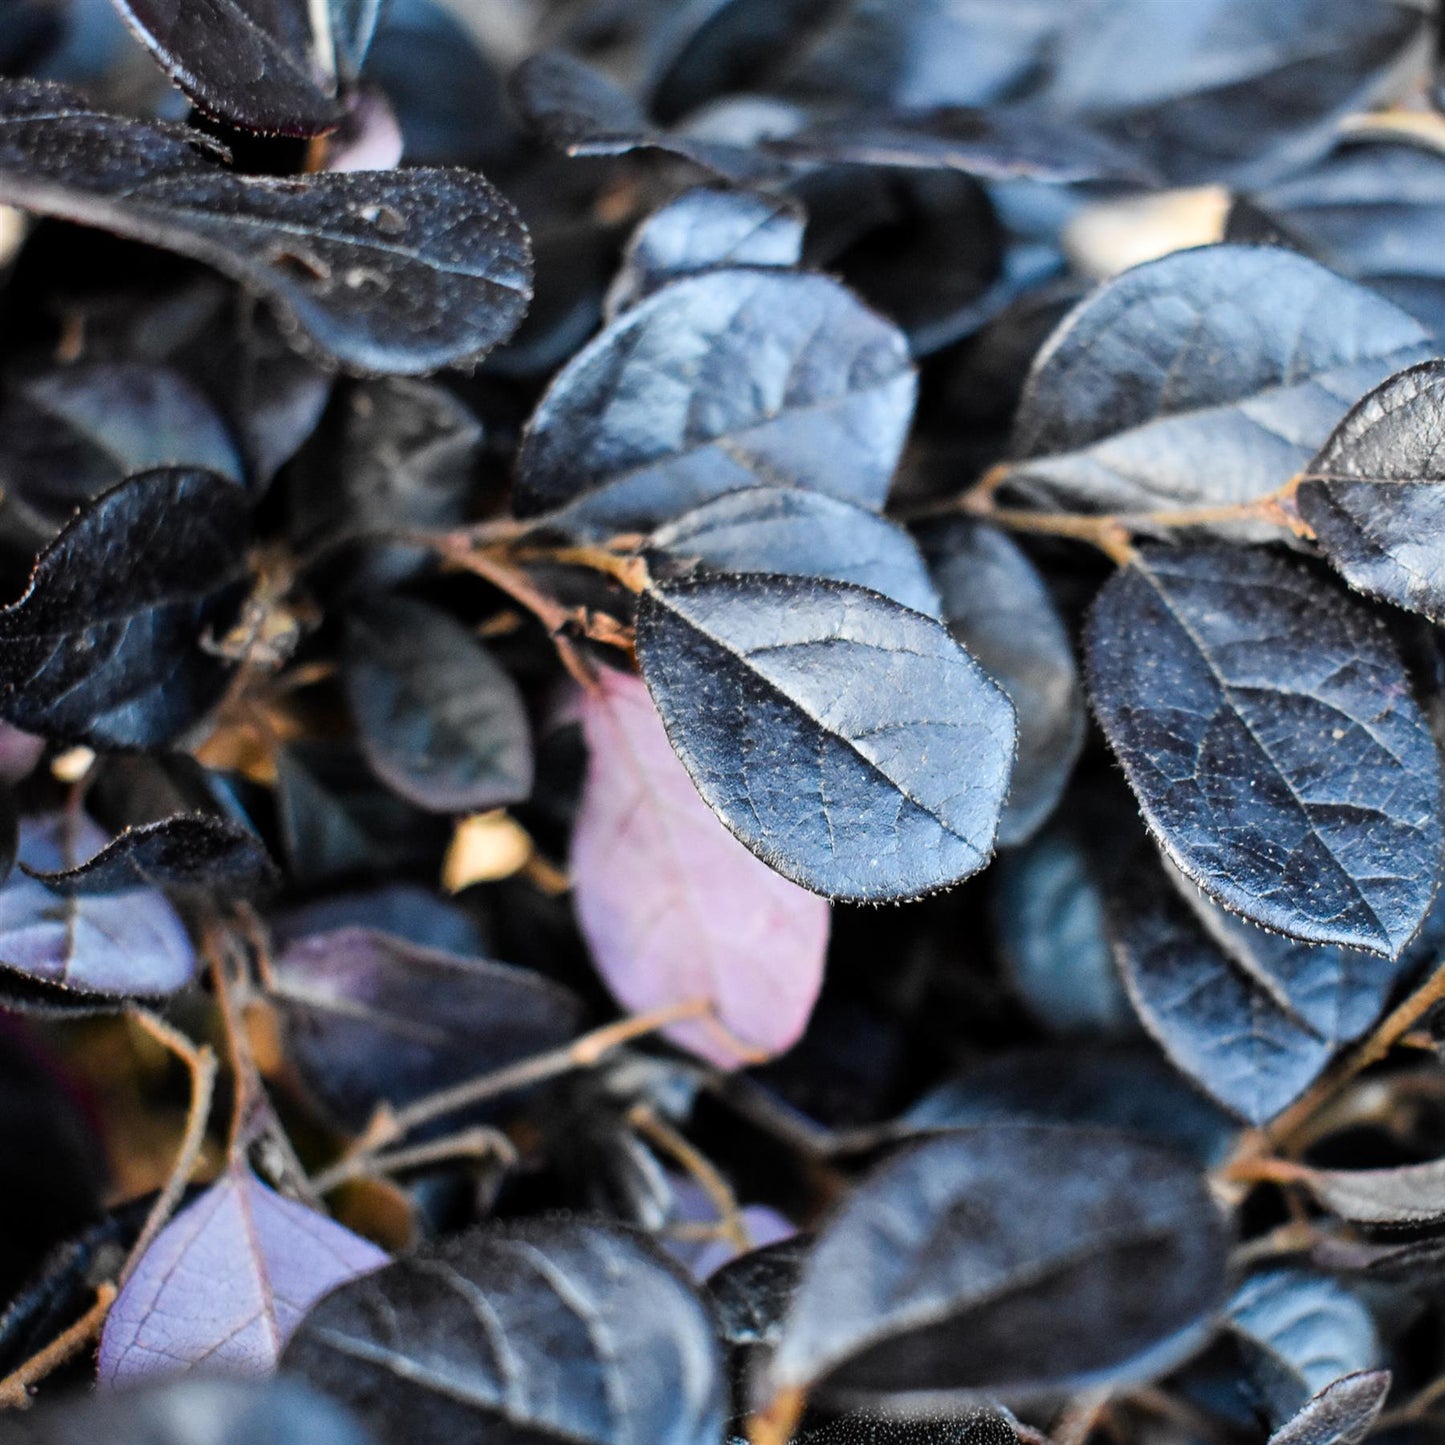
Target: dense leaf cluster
(517, 521)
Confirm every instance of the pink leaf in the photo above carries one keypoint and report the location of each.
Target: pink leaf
(225, 1283)
(673, 907)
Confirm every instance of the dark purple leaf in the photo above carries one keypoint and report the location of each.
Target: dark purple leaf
(1007, 1258)
(226, 1283)
(253, 63)
(440, 721)
(725, 380)
(371, 1018)
(850, 743)
(385, 271)
(553, 1333)
(673, 907)
(108, 644)
(186, 851)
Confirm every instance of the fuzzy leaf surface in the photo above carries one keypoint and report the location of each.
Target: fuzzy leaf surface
(1267, 728)
(730, 379)
(850, 743)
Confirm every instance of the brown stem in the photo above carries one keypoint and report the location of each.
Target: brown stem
(582, 1053)
(15, 1387)
(1286, 1126)
(201, 1062)
(775, 1423)
(479, 1143)
(657, 1131)
(631, 572)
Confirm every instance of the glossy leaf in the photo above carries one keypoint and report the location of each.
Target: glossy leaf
(184, 851)
(107, 644)
(786, 531)
(720, 381)
(553, 1332)
(1017, 1259)
(358, 265)
(998, 607)
(121, 945)
(1251, 1017)
(849, 742)
(1208, 377)
(371, 1018)
(1341, 1414)
(225, 1283)
(439, 720)
(672, 906)
(249, 62)
(704, 229)
(1375, 495)
(1267, 728)
(1300, 1332)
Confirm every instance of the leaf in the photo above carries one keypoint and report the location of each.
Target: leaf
(439, 720)
(999, 144)
(1251, 1017)
(752, 1294)
(193, 1412)
(1341, 1414)
(127, 944)
(674, 908)
(371, 1018)
(186, 851)
(1208, 377)
(1368, 210)
(580, 111)
(1375, 495)
(997, 606)
(1049, 916)
(71, 433)
(1267, 728)
(704, 229)
(398, 454)
(720, 381)
(1300, 1332)
(226, 1283)
(549, 1332)
(409, 911)
(251, 63)
(386, 271)
(784, 530)
(1407, 1196)
(106, 645)
(1223, 90)
(1129, 1089)
(849, 742)
(1017, 1259)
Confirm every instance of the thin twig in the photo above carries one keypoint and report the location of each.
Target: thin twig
(15, 1387)
(775, 1423)
(582, 1053)
(657, 1131)
(479, 1143)
(200, 1060)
